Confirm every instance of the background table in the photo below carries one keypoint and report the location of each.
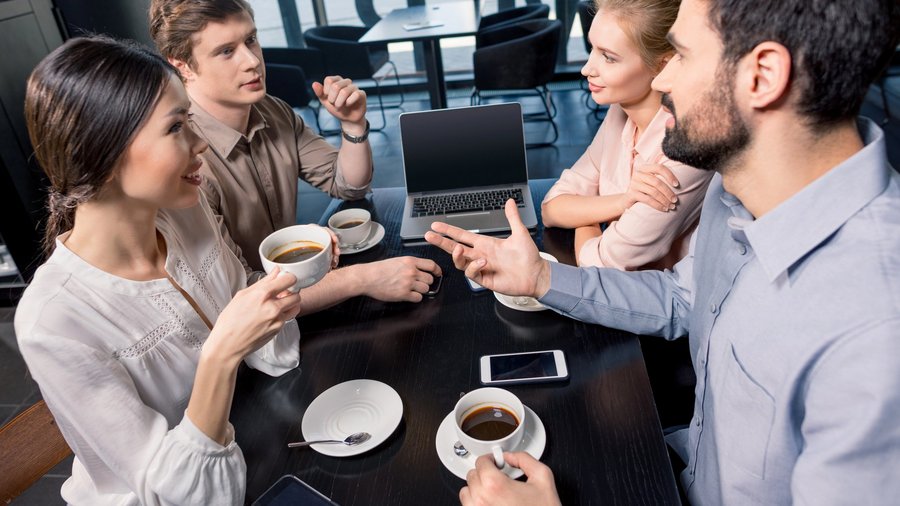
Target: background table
(604, 441)
(458, 18)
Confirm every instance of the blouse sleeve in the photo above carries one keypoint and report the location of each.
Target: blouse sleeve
(101, 415)
(279, 355)
(583, 178)
(643, 234)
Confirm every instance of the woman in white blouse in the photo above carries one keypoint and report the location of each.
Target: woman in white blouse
(136, 324)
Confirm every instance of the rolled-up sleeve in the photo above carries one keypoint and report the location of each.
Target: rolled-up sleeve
(320, 165)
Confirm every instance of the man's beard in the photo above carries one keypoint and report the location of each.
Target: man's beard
(713, 134)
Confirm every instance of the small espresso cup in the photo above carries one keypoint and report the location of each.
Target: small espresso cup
(490, 421)
(302, 250)
(352, 226)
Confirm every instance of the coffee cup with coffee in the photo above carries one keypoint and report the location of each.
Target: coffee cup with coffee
(352, 226)
(490, 421)
(302, 250)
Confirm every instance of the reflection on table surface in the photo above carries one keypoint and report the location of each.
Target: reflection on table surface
(604, 442)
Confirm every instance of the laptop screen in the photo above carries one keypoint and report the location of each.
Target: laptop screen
(467, 147)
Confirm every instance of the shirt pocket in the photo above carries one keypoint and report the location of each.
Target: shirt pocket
(748, 412)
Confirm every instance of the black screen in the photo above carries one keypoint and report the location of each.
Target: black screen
(529, 365)
(465, 147)
(290, 491)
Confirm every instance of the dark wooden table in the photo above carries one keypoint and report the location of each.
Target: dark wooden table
(604, 441)
(459, 19)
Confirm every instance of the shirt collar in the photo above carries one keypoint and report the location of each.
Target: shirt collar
(222, 138)
(795, 227)
(648, 145)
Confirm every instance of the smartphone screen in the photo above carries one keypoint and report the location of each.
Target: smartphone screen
(290, 490)
(522, 366)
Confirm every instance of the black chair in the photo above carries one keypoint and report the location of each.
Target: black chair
(348, 58)
(289, 83)
(586, 13)
(520, 57)
(510, 17)
(892, 70)
(285, 82)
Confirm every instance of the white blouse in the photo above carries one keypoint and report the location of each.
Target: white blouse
(115, 361)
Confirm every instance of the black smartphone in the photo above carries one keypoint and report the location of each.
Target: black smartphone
(435, 286)
(289, 491)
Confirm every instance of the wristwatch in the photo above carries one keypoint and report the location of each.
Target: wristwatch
(357, 139)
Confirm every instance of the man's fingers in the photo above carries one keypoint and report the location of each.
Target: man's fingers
(473, 270)
(319, 90)
(426, 265)
(455, 233)
(512, 216)
(465, 497)
(528, 464)
(440, 241)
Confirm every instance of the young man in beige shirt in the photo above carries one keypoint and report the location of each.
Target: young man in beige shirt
(258, 146)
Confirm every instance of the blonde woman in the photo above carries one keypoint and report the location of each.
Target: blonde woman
(649, 203)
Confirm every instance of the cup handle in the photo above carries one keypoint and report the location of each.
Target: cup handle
(498, 457)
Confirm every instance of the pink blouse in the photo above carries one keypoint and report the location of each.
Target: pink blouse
(642, 237)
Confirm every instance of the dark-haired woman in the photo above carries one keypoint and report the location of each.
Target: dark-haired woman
(136, 324)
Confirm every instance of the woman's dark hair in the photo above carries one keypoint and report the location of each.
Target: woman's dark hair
(84, 104)
(838, 46)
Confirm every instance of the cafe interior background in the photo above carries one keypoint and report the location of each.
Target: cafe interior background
(30, 29)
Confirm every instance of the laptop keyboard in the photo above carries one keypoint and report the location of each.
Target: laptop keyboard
(465, 202)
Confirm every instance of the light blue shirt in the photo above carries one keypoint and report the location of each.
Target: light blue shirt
(794, 323)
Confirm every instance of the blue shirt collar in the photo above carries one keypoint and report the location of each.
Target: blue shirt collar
(796, 226)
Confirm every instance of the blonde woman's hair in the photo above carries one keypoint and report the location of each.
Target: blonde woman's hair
(646, 22)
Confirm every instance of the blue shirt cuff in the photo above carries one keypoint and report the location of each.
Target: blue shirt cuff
(565, 288)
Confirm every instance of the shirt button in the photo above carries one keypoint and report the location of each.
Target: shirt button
(697, 422)
(741, 249)
(713, 308)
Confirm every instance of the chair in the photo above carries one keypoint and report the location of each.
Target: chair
(892, 70)
(510, 17)
(289, 83)
(586, 13)
(346, 57)
(30, 445)
(290, 72)
(521, 56)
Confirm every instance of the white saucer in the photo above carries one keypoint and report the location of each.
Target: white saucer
(352, 406)
(533, 442)
(529, 303)
(375, 237)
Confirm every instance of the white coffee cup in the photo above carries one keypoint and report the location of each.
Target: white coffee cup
(309, 270)
(486, 399)
(360, 222)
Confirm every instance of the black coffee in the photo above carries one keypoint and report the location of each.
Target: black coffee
(489, 423)
(298, 254)
(350, 224)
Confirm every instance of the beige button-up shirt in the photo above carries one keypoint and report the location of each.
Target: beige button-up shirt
(250, 180)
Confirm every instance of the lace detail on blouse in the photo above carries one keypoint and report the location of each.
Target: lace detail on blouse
(174, 325)
(148, 342)
(197, 279)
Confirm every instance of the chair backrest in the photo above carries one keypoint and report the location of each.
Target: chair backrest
(586, 13)
(288, 82)
(510, 16)
(343, 55)
(518, 56)
(30, 445)
(310, 59)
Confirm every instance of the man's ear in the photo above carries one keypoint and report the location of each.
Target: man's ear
(187, 73)
(765, 75)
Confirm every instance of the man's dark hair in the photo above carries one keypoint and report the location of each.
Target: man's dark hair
(838, 47)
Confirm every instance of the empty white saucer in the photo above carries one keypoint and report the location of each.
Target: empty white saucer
(534, 441)
(375, 237)
(353, 406)
(524, 303)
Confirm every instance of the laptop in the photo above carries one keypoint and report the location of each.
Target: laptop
(461, 165)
